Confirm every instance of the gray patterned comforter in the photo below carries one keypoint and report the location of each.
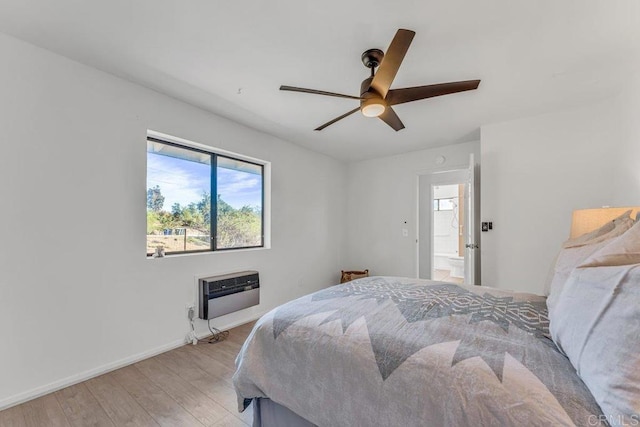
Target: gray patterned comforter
(385, 351)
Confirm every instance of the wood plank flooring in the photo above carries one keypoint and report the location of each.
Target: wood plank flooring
(188, 386)
(445, 276)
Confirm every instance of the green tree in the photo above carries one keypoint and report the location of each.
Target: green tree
(176, 210)
(166, 220)
(204, 207)
(153, 222)
(155, 199)
(235, 227)
(223, 207)
(238, 227)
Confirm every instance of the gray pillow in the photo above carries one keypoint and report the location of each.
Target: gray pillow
(596, 323)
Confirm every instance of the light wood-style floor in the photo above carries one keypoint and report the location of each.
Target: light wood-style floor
(188, 386)
(445, 276)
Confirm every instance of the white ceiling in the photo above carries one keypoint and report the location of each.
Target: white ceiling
(230, 57)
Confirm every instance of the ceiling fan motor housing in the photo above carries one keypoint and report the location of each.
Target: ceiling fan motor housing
(372, 58)
(368, 95)
(366, 91)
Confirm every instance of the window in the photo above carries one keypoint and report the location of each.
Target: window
(443, 204)
(180, 183)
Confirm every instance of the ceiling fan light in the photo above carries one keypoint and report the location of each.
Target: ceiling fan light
(373, 110)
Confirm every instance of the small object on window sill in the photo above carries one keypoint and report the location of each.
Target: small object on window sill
(159, 253)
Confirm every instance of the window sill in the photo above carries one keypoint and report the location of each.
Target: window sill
(225, 251)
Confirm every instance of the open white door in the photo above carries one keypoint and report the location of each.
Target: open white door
(472, 248)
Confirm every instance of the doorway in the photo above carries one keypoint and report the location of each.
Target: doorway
(447, 237)
(447, 233)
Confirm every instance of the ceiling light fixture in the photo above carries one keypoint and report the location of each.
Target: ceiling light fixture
(373, 108)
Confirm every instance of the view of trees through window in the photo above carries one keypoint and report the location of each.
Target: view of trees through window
(179, 204)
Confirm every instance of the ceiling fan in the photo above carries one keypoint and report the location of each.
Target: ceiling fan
(376, 97)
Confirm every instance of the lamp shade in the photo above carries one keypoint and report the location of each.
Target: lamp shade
(586, 220)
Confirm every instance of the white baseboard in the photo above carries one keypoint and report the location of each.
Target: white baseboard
(91, 373)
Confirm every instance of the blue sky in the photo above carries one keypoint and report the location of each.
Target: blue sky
(183, 182)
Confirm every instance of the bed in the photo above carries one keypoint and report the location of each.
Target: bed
(392, 351)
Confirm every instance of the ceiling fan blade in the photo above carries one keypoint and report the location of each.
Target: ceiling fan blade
(391, 118)
(400, 96)
(329, 123)
(317, 92)
(391, 61)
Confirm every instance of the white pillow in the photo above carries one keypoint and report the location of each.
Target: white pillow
(596, 323)
(583, 239)
(622, 250)
(571, 257)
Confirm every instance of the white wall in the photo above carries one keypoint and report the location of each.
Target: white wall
(626, 190)
(382, 195)
(445, 232)
(536, 171)
(77, 293)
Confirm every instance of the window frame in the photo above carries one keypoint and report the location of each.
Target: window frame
(213, 220)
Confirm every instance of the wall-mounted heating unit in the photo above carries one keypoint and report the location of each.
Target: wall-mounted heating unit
(220, 295)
